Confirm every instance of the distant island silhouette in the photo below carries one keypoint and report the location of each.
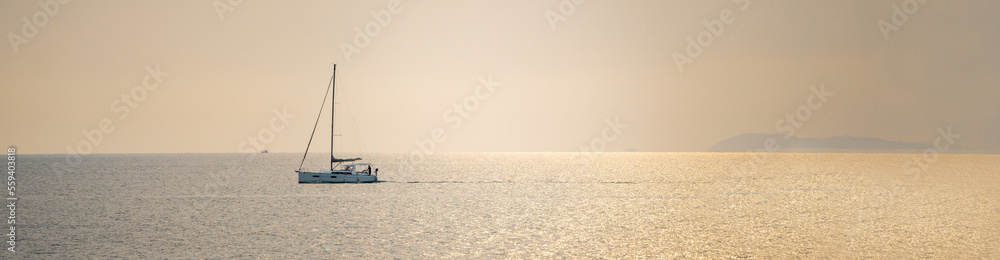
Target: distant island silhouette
(752, 142)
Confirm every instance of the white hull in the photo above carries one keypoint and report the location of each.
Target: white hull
(336, 177)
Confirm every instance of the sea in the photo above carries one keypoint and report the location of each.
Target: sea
(510, 205)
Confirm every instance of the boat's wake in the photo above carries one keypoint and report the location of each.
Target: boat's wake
(511, 182)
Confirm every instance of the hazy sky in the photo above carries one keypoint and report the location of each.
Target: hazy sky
(217, 71)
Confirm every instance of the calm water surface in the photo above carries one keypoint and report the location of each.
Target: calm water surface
(512, 205)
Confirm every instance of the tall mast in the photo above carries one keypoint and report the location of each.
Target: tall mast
(333, 102)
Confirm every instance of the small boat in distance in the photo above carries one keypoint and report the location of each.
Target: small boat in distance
(338, 173)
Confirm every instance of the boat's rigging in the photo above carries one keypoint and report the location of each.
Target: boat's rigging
(354, 125)
(328, 88)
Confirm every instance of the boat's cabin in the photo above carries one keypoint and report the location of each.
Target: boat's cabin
(359, 168)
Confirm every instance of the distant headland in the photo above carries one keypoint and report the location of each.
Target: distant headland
(752, 142)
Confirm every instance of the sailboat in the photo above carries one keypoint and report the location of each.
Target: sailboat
(353, 171)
